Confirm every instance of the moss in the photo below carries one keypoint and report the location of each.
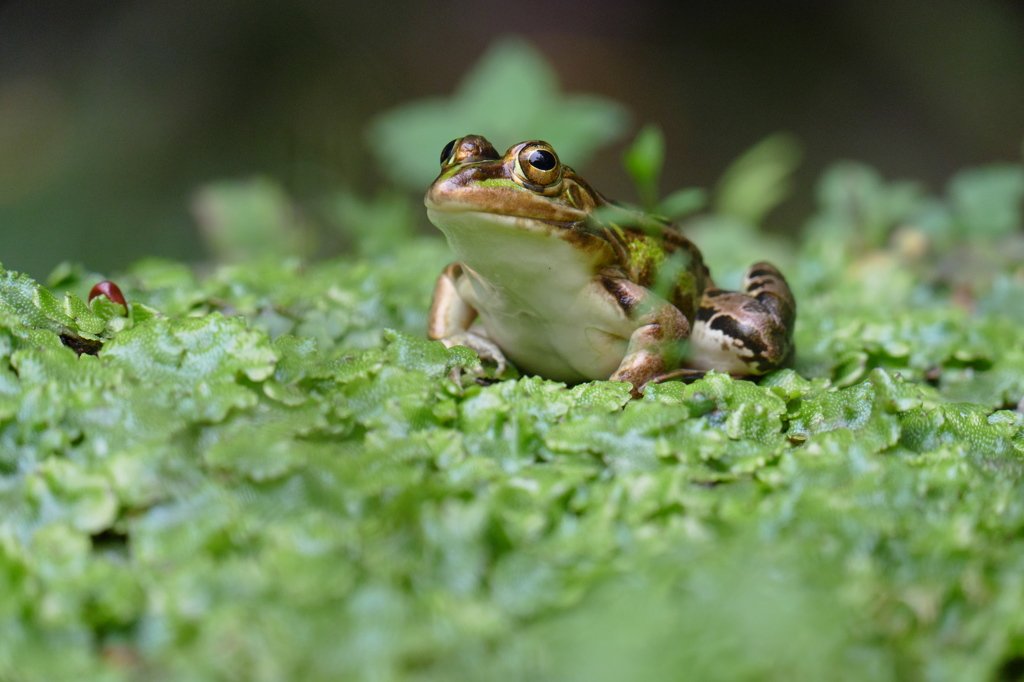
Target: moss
(265, 471)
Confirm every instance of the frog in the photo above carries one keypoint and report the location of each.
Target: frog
(570, 286)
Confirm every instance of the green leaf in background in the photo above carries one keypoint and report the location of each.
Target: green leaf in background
(643, 161)
(682, 202)
(758, 180)
(510, 95)
(375, 224)
(856, 201)
(246, 219)
(988, 202)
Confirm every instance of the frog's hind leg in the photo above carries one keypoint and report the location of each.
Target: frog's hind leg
(745, 332)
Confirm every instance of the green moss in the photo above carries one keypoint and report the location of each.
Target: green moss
(266, 472)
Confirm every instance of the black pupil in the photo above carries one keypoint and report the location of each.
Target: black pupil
(446, 152)
(541, 160)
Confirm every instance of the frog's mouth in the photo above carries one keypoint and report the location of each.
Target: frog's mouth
(471, 219)
(518, 207)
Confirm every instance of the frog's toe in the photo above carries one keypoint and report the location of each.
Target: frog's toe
(486, 349)
(686, 375)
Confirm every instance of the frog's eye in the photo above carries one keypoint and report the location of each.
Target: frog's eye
(542, 160)
(538, 164)
(446, 153)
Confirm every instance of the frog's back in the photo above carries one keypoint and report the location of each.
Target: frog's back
(656, 256)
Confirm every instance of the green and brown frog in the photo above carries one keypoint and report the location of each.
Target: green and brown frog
(562, 282)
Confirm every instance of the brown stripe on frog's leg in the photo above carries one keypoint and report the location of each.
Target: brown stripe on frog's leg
(747, 332)
(652, 345)
(764, 282)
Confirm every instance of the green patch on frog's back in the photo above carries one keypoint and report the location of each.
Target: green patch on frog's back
(497, 182)
(644, 256)
(665, 260)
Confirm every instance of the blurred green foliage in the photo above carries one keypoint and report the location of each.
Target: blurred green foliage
(510, 96)
(266, 472)
(759, 180)
(250, 219)
(643, 160)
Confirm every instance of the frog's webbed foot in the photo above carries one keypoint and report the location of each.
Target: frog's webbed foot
(687, 376)
(483, 346)
(745, 332)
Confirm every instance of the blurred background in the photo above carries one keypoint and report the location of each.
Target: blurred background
(113, 112)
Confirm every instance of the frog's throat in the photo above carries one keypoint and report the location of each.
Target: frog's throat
(475, 199)
(473, 221)
(485, 241)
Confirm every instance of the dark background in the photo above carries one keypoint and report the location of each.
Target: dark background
(111, 113)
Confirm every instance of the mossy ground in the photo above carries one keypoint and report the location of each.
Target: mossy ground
(266, 472)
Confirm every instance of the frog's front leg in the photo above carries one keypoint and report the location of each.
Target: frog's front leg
(654, 344)
(451, 316)
(745, 332)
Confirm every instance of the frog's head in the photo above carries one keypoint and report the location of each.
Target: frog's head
(526, 188)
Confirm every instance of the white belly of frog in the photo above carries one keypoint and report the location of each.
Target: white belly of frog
(579, 337)
(544, 310)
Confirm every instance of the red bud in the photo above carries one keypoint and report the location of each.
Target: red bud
(110, 290)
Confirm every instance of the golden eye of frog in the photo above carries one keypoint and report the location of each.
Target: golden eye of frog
(566, 284)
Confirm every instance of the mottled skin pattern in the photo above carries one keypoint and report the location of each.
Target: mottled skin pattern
(573, 287)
